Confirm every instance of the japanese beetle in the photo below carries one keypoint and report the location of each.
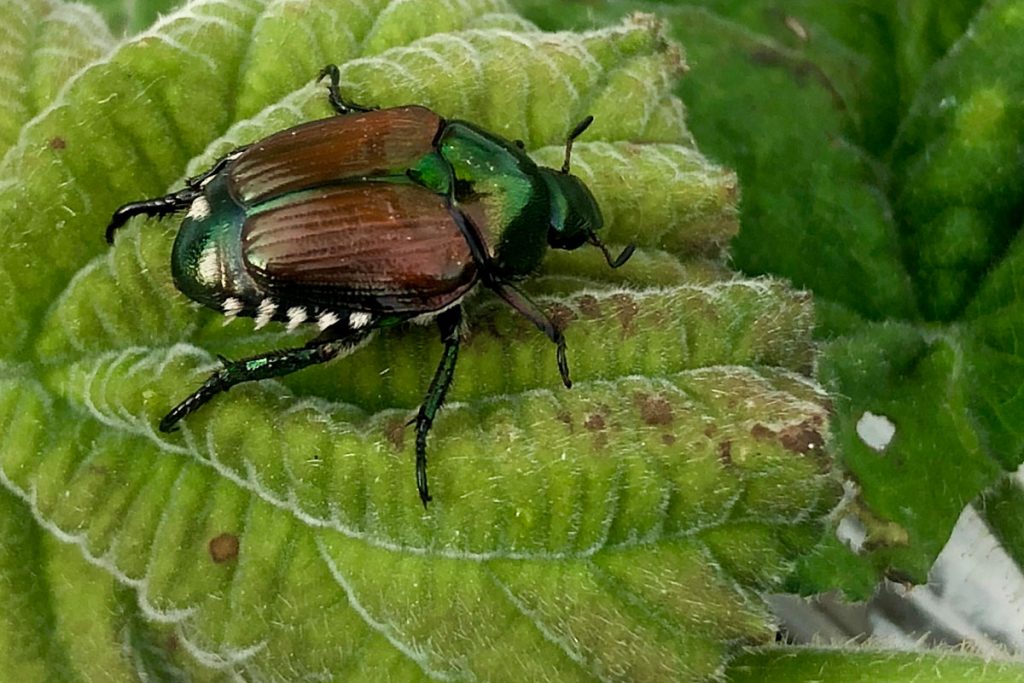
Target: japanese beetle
(365, 220)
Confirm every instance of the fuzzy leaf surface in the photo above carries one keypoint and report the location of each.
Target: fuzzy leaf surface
(618, 531)
(878, 145)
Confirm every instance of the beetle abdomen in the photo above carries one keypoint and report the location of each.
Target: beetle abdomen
(371, 246)
(331, 151)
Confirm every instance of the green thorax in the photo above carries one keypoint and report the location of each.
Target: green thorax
(499, 186)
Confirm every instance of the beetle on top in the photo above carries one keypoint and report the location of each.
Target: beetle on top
(363, 221)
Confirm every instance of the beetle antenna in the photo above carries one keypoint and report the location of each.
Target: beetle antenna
(576, 132)
(617, 261)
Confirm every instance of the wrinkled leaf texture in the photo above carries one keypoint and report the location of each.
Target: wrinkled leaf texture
(878, 145)
(620, 530)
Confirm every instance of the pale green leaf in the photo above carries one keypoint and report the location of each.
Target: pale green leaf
(619, 530)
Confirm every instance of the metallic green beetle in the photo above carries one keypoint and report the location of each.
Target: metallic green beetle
(363, 221)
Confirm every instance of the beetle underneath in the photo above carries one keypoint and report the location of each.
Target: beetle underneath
(365, 220)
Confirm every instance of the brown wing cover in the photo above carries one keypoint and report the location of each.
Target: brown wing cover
(372, 246)
(374, 143)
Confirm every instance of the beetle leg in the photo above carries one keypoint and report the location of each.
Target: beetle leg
(519, 301)
(339, 104)
(169, 203)
(159, 207)
(264, 366)
(507, 291)
(448, 323)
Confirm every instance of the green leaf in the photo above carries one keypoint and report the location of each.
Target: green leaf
(131, 16)
(957, 160)
(621, 530)
(865, 665)
(878, 149)
(26, 653)
(43, 44)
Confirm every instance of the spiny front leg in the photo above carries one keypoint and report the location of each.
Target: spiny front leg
(519, 301)
(512, 296)
(448, 324)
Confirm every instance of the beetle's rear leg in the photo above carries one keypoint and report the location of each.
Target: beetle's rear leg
(339, 104)
(264, 366)
(448, 323)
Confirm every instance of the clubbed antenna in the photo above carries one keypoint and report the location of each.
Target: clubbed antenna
(576, 132)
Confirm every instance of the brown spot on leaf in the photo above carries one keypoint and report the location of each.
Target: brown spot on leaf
(802, 438)
(594, 422)
(725, 452)
(487, 326)
(668, 439)
(394, 432)
(654, 410)
(57, 142)
(223, 548)
(171, 642)
(760, 432)
(676, 61)
(561, 315)
(626, 309)
(710, 430)
(815, 420)
(589, 306)
(566, 417)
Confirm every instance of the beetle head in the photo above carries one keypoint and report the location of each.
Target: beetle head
(575, 215)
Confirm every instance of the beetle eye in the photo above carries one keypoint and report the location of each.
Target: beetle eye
(566, 239)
